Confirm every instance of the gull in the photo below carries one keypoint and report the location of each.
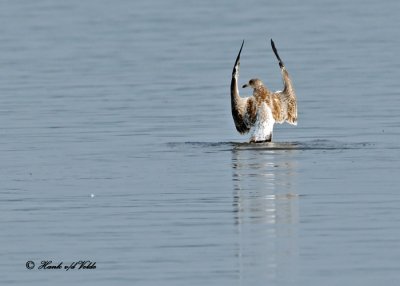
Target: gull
(258, 113)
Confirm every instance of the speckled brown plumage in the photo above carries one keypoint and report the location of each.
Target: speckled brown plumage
(280, 104)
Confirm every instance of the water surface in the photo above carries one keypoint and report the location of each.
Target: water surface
(117, 143)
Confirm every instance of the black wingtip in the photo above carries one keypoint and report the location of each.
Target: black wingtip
(240, 51)
(273, 45)
(276, 54)
(235, 72)
(241, 47)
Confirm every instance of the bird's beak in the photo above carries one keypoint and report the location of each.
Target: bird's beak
(245, 85)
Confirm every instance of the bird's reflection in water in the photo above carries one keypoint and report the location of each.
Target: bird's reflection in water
(266, 214)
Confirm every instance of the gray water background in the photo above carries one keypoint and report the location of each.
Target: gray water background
(117, 143)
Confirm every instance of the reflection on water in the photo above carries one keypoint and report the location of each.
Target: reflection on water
(266, 213)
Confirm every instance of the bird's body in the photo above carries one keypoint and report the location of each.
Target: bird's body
(259, 112)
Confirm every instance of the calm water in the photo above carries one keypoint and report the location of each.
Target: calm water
(117, 143)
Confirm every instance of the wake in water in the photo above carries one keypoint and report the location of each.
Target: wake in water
(307, 145)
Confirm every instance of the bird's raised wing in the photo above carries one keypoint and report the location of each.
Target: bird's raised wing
(244, 111)
(287, 95)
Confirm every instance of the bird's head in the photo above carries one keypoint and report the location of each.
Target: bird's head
(254, 83)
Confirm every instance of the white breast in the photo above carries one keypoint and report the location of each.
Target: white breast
(262, 129)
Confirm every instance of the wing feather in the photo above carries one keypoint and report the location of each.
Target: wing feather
(287, 96)
(244, 114)
(243, 109)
